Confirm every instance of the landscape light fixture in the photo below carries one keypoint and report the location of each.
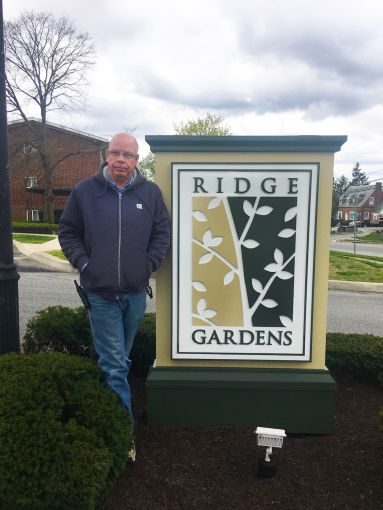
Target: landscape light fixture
(271, 438)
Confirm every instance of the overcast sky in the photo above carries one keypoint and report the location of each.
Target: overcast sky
(269, 67)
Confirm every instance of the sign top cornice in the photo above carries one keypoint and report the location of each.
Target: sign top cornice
(301, 143)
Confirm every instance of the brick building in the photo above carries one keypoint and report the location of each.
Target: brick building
(76, 155)
(363, 203)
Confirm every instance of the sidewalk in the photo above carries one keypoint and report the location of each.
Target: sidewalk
(38, 253)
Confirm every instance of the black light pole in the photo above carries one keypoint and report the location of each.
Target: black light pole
(9, 295)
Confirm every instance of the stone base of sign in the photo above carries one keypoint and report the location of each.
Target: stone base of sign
(299, 401)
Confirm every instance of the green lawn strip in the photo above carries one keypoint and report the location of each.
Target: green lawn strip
(355, 268)
(57, 253)
(32, 238)
(373, 237)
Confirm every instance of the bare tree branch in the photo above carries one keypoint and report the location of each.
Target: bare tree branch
(46, 65)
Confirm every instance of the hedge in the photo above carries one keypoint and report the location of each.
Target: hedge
(67, 330)
(64, 437)
(34, 227)
(358, 355)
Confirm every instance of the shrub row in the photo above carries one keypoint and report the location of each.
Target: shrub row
(34, 227)
(64, 437)
(358, 355)
(67, 330)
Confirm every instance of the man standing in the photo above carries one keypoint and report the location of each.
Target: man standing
(115, 230)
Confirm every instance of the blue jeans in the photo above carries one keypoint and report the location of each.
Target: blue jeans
(114, 324)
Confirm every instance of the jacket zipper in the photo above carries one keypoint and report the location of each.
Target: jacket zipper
(119, 238)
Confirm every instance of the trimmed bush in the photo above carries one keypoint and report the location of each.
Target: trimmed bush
(143, 352)
(64, 438)
(59, 329)
(358, 355)
(34, 227)
(67, 330)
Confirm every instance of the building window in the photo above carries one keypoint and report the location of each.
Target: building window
(371, 201)
(32, 215)
(366, 215)
(30, 182)
(339, 215)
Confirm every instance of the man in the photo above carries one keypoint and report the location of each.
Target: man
(115, 230)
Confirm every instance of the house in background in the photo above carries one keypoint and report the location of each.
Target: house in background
(362, 203)
(78, 156)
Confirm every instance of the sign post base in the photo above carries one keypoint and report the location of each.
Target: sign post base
(299, 401)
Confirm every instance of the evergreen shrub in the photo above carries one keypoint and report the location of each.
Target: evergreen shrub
(358, 355)
(143, 352)
(67, 330)
(34, 227)
(59, 329)
(64, 437)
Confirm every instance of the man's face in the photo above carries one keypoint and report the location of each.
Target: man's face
(122, 159)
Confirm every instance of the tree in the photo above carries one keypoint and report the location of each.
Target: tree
(46, 65)
(210, 125)
(147, 166)
(359, 178)
(339, 186)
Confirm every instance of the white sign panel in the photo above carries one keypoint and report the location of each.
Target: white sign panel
(243, 253)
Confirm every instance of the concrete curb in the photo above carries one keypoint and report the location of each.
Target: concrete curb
(355, 286)
(36, 253)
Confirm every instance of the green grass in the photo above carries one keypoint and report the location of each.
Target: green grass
(373, 237)
(57, 253)
(32, 238)
(355, 268)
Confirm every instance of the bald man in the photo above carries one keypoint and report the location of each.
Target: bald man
(115, 230)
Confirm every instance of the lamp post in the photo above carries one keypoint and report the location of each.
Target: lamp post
(9, 297)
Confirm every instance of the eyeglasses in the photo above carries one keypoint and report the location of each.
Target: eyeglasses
(123, 154)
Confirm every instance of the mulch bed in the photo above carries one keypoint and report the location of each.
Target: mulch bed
(216, 467)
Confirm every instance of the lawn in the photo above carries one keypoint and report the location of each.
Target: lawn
(57, 253)
(355, 268)
(373, 238)
(32, 238)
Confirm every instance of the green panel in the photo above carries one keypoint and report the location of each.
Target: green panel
(303, 143)
(299, 401)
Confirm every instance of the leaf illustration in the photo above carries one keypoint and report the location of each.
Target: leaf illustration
(272, 268)
(201, 308)
(199, 216)
(248, 208)
(206, 258)
(209, 240)
(290, 214)
(284, 275)
(269, 303)
(278, 256)
(208, 314)
(263, 211)
(286, 321)
(201, 305)
(199, 286)
(250, 243)
(229, 277)
(257, 285)
(214, 203)
(287, 232)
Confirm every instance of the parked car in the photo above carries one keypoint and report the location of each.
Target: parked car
(352, 223)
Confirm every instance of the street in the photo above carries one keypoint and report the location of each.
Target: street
(351, 312)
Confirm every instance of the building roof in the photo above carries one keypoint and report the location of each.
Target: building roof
(356, 196)
(59, 127)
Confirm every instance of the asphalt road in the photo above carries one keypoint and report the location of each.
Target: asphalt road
(349, 312)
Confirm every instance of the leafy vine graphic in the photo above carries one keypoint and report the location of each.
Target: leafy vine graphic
(244, 242)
